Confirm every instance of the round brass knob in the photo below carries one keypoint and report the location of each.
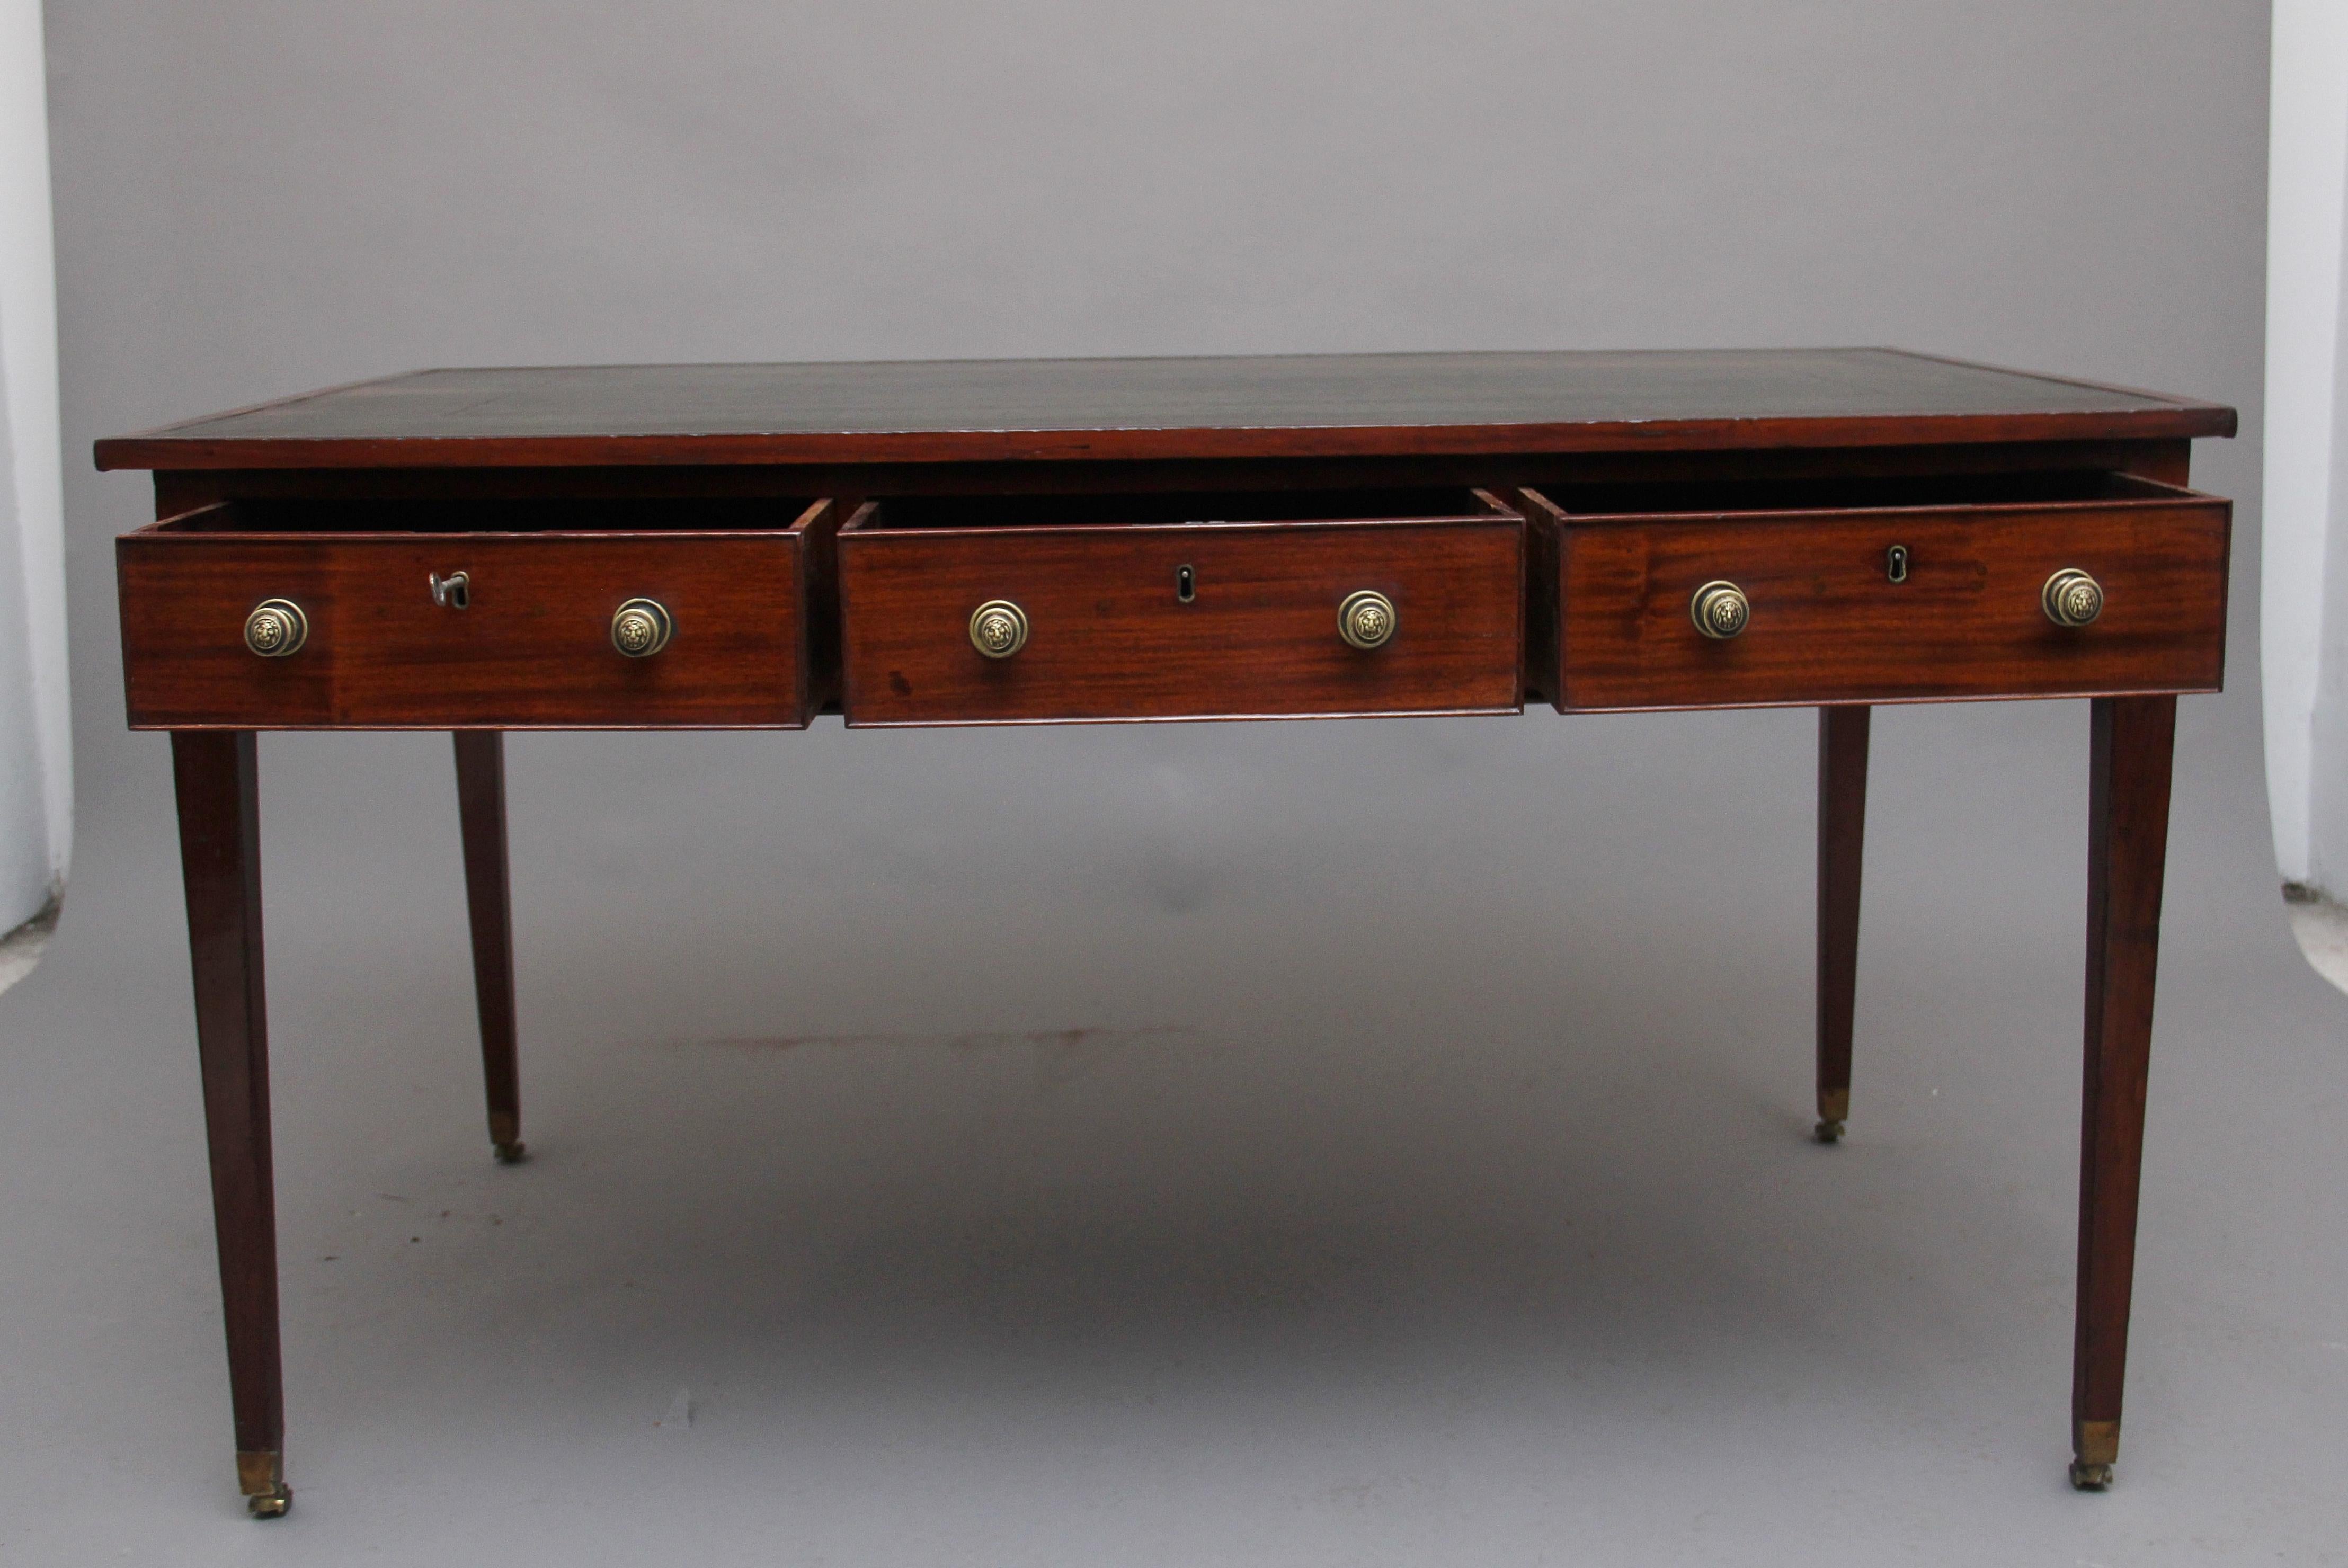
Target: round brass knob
(2072, 598)
(641, 627)
(1366, 620)
(275, 628)
(998, 628)
(1720, 610)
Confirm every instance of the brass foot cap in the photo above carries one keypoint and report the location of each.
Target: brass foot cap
(270, 1504)
(2091, 1478)
(1828, 1131)
(512, 1153)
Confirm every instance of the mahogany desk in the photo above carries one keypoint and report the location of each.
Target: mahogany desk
(745, 546)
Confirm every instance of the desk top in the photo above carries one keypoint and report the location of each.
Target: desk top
(1301, 406)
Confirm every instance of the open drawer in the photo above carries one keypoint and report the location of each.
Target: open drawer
(593, 614)
(1004, 610)
(2053, 584)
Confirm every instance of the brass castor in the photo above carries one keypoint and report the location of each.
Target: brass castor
(1828, 1131)
(512, 1153)
(2091, 1478)
(261, 1476)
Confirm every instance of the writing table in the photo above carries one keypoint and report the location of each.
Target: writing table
(746, 546)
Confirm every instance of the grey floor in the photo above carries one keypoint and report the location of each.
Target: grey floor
(1183, 1173)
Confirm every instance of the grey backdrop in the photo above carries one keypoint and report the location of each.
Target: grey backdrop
(1369, 1142)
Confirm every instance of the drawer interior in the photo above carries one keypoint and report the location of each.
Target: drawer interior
(1177, 508)
(1595, 502)
(597, 514)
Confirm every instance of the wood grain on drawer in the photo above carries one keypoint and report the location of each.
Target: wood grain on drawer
(1111, 638)
(532, 648)
(1828, 625)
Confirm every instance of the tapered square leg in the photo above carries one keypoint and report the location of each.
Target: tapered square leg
(220, 855)
(489, 900)
(2127, 845)
(1842, 830)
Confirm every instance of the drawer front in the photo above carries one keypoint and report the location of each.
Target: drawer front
(533, 646)
(1109, 635)
(1827, 623)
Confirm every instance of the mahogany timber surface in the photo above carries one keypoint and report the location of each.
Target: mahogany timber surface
(532, 650)
(2131, 751)
(1283, 407)
(488, 908)
(219, 861)
(1842, 845)
(1828, 626)
(1110, 638)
